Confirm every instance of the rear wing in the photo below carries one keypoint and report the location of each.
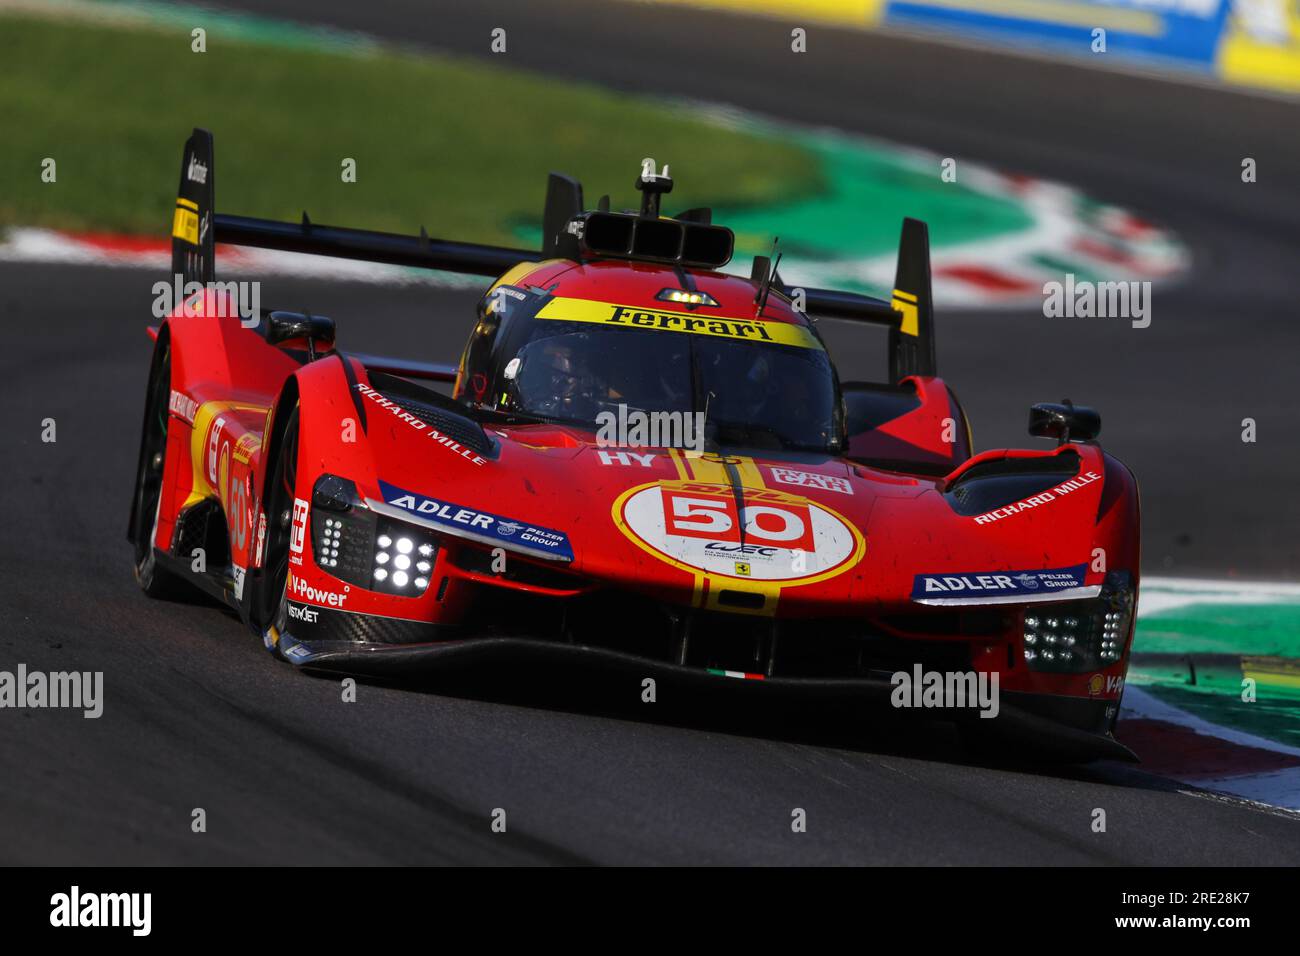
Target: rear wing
(197, 227)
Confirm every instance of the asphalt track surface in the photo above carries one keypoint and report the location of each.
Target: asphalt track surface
(197, 715)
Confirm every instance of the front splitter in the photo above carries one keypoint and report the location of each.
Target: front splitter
(394, 661)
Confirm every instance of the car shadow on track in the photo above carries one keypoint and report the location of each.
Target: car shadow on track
(745, 709)
(740, 708)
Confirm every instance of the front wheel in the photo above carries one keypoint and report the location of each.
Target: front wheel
(269, 608)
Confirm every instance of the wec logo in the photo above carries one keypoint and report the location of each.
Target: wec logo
(749, 550)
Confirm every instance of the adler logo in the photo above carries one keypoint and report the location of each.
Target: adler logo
(77, 909)
(471, 521)
(975, 582)
(996, 583)
(196, 172)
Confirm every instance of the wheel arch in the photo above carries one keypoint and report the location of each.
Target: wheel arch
(161, 348)
(253, 607)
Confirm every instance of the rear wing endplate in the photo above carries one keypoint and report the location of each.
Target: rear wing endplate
(909, 314)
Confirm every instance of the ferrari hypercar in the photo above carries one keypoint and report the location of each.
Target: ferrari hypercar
(640, 460)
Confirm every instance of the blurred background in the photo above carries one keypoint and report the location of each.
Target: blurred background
(1033, 149)
(1136, 140)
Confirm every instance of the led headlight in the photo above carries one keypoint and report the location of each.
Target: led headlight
(1117, 617)
(342, 529)
(355, 545)
(403, 559)
(1078, 636)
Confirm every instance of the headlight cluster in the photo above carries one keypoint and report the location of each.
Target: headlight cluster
(404, 559)
(355, 545)
(342, 530)
(1078, 636)
(1116, 609)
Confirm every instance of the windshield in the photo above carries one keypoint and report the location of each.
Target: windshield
(754, 394)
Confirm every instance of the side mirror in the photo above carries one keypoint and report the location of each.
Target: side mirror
(1064, 422)
(283, 326)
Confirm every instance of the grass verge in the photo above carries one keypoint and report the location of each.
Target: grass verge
(461, 147)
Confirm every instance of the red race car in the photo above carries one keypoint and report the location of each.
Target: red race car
(642, 461)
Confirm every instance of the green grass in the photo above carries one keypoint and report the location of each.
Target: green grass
(1259, 629)
(462, 147)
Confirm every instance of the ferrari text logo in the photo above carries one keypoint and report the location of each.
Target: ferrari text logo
(658, 320)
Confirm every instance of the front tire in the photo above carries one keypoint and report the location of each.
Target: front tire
(269, 608)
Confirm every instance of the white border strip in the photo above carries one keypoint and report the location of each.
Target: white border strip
(1159, 594)
(1141, 705)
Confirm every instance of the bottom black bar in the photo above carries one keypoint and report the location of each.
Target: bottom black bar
(306, 906)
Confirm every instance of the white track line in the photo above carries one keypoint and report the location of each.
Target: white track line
(1142, 705)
